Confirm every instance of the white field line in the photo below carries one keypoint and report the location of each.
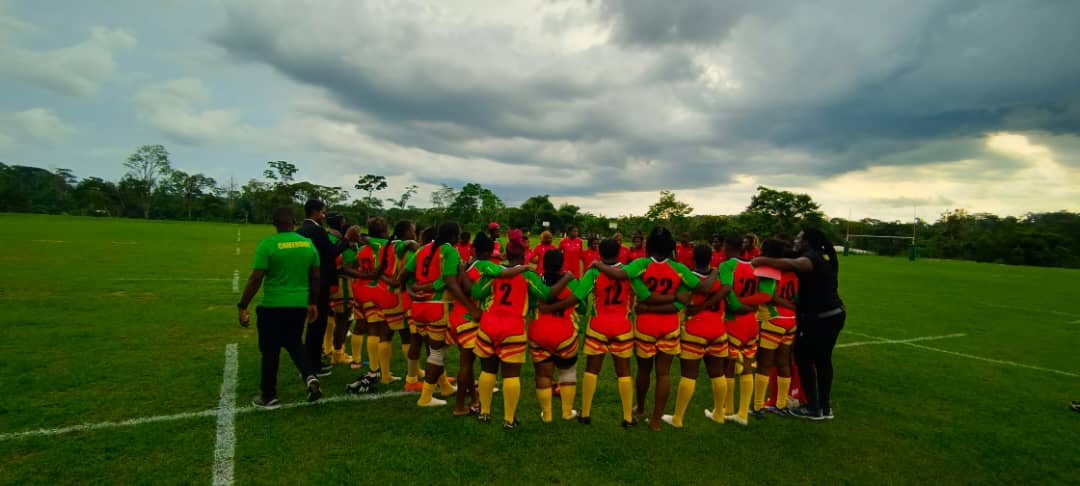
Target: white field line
(899, 341)
(183, 416)
(167, 280)
(971, 356)
(236, 281)
(1031, 309)
(225, 445)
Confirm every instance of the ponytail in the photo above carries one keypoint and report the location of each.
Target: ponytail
(448, 232)
(818, 242)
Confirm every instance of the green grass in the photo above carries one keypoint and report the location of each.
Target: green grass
(80, 345)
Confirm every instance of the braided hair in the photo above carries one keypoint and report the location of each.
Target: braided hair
(816, 240)
(448, 232)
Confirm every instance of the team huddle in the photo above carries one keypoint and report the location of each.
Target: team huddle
(504, 303)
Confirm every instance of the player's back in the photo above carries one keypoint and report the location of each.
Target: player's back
(661, 278)
(509, 296)
(714, 312)
(787, 289)
(611, 296)
(746, 285)
(428, 264)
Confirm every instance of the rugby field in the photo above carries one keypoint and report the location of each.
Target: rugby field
(115, 368)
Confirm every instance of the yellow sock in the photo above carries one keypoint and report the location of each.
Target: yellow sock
(567, 392)
(719, 395)
(485, 386)
(626, 396)
(783, 386)
(746, 393)
(425, 394)
(682, 400)
(511, 390)
(587, 392)
(414, 371)
(445, 388)
(384, 361)
(373, 352)
(328, 338)
(729, 401)
(543, 395)
(761, 385)
(357, 348)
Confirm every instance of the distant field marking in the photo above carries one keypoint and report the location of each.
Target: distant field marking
(225, 444)
(125, 242)
(965, 355)
(1031, 309)
(898, 341)
(48, 241)
(236, 281)
(167, 279)
(213, 412)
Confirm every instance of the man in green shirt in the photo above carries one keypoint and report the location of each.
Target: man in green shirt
(289, 265)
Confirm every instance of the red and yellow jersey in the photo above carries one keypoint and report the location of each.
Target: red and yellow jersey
(508, 295)
(746, 288)
(431, 265)
(788, 289)
(684, 254)
(714, 312)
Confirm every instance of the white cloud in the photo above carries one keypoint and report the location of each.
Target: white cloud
(76, 70)
(37, 124)
(170, 106)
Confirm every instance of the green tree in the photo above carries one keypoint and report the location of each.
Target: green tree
(668, 208)
(190, 188)
(145, 165)
(280, 171)
(403, 200)
(774, 212)
(371, 183)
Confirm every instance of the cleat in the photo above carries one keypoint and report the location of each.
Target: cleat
(739, 420)
(629, 424)
(448, 393)
(758, 414)
(263, 404)
(709, 415)
(827, 413)
(776, 410)
(730, 417)
(806, 413)
(414, 387)
(511, 425)
(314, 391)
(484, 418)
(670, 420)
(573, 415)
(434, 402)
(584, 420)
(365, 384)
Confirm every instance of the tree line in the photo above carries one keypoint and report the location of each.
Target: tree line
(153, 188)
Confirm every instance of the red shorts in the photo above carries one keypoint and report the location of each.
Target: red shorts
(431, 319)
(743, 335)
(502, 335)
(700, 337)
(609, 333)
(462, 331)
(657, 333)
(552, 336)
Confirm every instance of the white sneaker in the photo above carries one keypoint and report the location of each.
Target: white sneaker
(709, 415)
(670, 420)
(573, 415)
(435, 402)
(737, 419)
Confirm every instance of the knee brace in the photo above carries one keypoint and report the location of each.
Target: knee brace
(568, 375)
(436, 356)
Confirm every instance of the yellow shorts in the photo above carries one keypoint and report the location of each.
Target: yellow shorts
(621, 346)
(778, 331)
(647, 345)
(509, 349)
(463, 334)
(696, 347)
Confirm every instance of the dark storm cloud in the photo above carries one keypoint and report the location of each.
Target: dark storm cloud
(843, 84)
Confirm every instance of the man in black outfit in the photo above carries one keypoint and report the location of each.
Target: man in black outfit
(312, 229)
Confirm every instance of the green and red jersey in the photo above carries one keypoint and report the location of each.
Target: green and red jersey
(510, 296)
(431, 265)
(746, 288)
(606, 295)
(662, 277)
(788, 289)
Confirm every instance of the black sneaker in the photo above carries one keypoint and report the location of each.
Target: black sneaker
(364, 384)
(511, 425)
(584, 420)
(1075, 406)
(314, 391)
(484, 418)
(324, 371)
(806, 413)
(264, 404)
(759, 413)
(827, 413)
(629, 424)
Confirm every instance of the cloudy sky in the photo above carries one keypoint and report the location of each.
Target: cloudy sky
(873, 108)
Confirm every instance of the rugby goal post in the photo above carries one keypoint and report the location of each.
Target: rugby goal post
(911, 239)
